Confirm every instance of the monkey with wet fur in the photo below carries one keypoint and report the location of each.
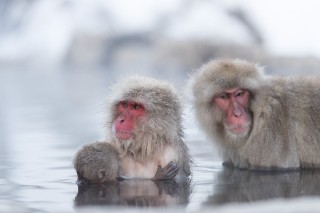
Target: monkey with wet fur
(144, 138)
(260, 122)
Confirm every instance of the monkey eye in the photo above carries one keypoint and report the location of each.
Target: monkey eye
(136, 106)
(223, 96)
(239, 93)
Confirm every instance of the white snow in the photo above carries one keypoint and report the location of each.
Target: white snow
(288, 27)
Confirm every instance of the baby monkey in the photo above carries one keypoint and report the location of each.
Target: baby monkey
(145, 136)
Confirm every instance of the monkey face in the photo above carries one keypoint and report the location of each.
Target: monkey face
(234, 105)
(128, 115)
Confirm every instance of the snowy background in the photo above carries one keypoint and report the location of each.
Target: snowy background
(152, 34)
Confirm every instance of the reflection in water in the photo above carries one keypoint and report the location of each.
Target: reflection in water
(247, 186)
(142, 193)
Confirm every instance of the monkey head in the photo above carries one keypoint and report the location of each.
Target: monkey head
(144, 112)
(225, 89)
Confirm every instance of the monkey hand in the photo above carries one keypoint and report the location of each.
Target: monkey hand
(166, 173)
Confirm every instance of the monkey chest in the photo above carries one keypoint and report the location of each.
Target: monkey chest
(130, 168)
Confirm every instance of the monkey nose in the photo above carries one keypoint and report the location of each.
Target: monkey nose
(237, 113)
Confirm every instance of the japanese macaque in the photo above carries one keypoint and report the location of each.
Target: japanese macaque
(260, 122)
(144, 138)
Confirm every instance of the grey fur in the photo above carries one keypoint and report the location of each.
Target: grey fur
(97, 162)
(285, 132)
(163, 126)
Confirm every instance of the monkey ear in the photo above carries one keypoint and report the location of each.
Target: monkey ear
(101, 173)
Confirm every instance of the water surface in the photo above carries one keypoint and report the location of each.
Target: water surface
(46, 116)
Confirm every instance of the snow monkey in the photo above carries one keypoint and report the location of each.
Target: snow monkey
(260, 122)
(144, 138)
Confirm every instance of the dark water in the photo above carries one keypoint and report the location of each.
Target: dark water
(46, 116)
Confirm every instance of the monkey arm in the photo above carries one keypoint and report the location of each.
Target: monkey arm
(166, 173)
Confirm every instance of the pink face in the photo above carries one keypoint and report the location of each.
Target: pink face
(234, 103)
(126, 122)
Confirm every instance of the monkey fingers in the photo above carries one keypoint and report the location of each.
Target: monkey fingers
(166, 173)
(171, 170)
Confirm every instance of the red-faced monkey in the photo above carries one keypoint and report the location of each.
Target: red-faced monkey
(144, 138)
(259, 121)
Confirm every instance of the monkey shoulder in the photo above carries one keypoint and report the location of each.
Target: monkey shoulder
(265, 147)
(270, 101)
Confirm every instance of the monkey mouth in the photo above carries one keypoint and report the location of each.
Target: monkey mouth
(123, 135)
(239, 129)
